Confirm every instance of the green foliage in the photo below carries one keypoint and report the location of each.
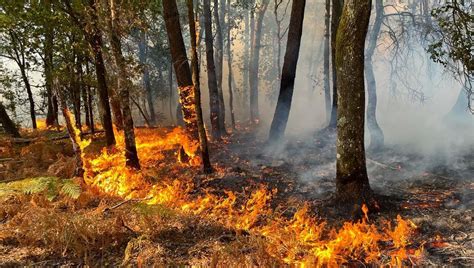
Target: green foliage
(51, 187)
(456, 40)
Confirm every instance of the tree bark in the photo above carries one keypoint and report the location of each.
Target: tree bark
(74, 133)
(89, 101)
(376, 134)
(76, 89)
(143, 55)
(51, 114)
(181, 67)
(255, 58)
(219, 59)
(326, 73)
(31, 100)
(352, 182)
(211, 73)
(207, 168)
(229, 67)
(123, 86)
(335, 18)
(95, 40)
(287, 82)
(7, 123)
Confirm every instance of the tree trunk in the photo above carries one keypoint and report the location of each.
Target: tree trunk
(326, 73)
(376, 134)
(123, 86)
(254, 64)
(7, 123)
(219, 59)
(282, 112)
(26, 81)
(76, 90)
(352, 182)
(211, 73)
(95, 40)
(84, 95)
(229, 67)
(207, 168)
(143, 54)
(74, 133)
(181, 67)
(51, 114)
(335, 18)
(89, 102)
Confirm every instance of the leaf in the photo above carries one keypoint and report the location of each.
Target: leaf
(71, 189)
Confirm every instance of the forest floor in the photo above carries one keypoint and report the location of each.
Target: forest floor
(44, 228)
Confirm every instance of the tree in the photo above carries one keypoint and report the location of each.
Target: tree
(229, 66)
(15, 45)
(123, 85)
(219, 59)
(143, 55)
(207, 168)
(181, 67)
(52, 112)
(93, 35)
(335, 18)
(211, 73)
(255, 58)
(282, 111)
(74, 133)
(352, 182)
(7, 123)
(376, 133)
(453, 42)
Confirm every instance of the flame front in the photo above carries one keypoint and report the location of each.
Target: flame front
(302, 240)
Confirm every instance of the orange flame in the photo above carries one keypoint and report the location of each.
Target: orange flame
(302, 240)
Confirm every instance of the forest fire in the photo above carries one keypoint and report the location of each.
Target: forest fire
(236, 133)
(302, 240)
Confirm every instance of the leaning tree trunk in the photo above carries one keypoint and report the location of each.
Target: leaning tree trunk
(219, 59)
(352, 182)
(181, 67)
(123, 86)
(207, 168)
(282, 112)
(376, 134)
(326, 73)
(254, 62)
(143, 54)
(335, 18)
(74, 133)
(26, 81)
(7, 123)
(211, 73)
(95, 40)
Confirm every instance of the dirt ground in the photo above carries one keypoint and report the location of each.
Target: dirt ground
(100, 230)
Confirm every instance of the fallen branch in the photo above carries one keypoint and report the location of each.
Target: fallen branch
(382, 165)
(123, 203)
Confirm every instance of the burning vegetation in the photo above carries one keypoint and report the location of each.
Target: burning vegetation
(115, 176)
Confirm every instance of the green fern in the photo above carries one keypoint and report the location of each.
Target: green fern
(71, 189)
(50, 186)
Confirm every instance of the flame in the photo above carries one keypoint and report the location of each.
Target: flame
(302, 240)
